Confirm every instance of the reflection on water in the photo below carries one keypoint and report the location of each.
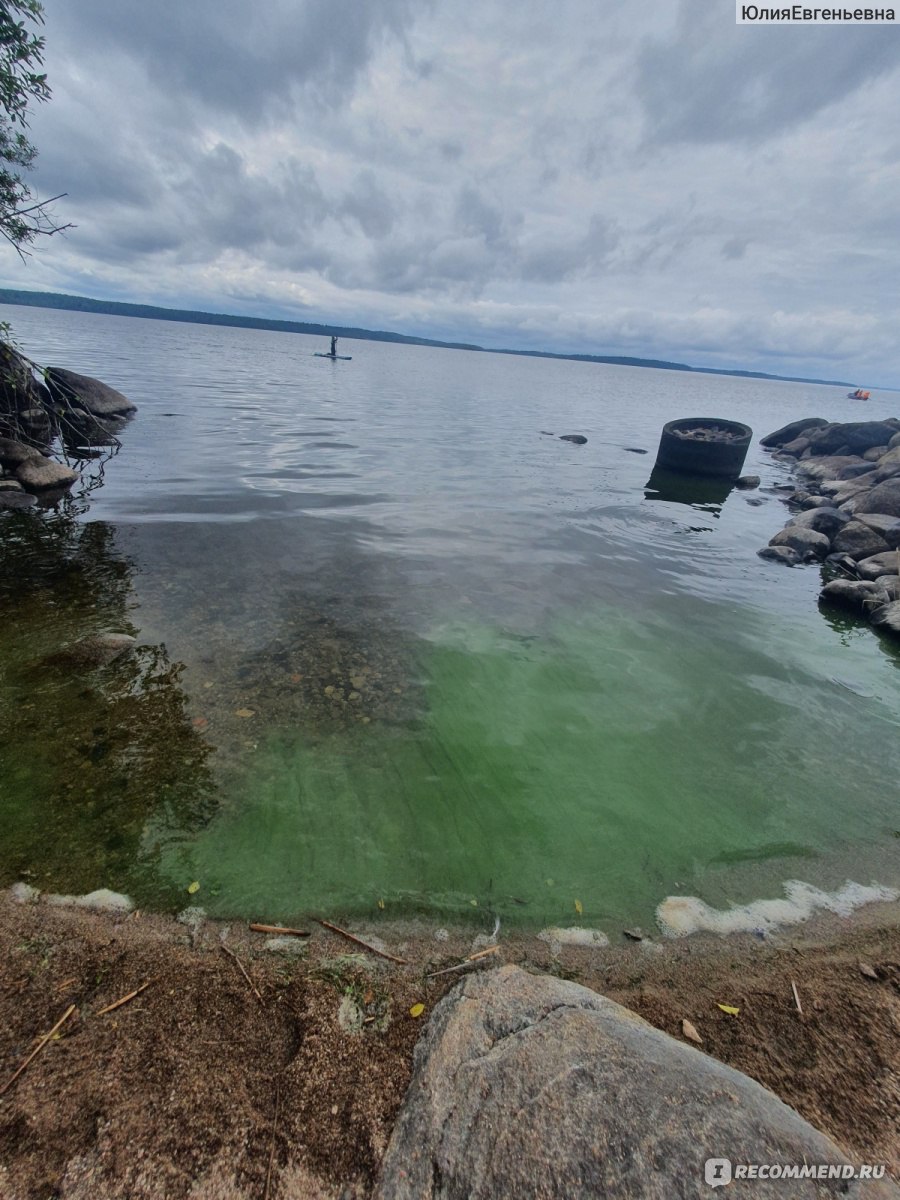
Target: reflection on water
(396, 648)
(705, 492)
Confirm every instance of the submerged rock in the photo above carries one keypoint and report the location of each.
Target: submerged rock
(807, 542)
(747, 482)
(782, 554)
(91, 652)
(578, 438)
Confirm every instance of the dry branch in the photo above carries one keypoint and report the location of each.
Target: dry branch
(124, 1000)
(41, 1044)
(280, 929)
(465, 962)
(359, 942)
(253, 987)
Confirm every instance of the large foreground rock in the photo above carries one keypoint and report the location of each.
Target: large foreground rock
(883, 498)
(81, 391)
(531, 1087)
(851, 437)
(787, 433)
(43, 474)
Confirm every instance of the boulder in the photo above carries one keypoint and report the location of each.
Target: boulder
(807, 542)
(9, 499)
(885, 526)
(858, 540)
(788, 432)
(875, 452)
(795, 447)
(781, 554)
(746, 482)
(531, 1087)
(890, 585)
(13, 453)
(81, 391)
(879, 564)
(91, 652)
(856, 470)
(828, 466)
(578, 438)
(895, 441)
(856, 594)
(824, 519)
(855, 436)
(888, 465)
(887, 617)
(42, 474)
(883, 498)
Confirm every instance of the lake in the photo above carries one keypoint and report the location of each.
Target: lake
(401, 652)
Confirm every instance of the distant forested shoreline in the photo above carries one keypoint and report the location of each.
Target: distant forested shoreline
(115, 308)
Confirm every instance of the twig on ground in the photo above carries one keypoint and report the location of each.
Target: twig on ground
(466, 962)
(796, 998)
(41, 1044)
(274, 1135)
(253, 987)
(280, 929)
(124, 1000)
(359, 942)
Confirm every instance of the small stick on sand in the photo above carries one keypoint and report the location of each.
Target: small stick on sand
(280, 929)
(359, 942)
(274, 1133)
(231, 954)
(465, 963)
(118, 1003)
(796, 998)
(41, 1044)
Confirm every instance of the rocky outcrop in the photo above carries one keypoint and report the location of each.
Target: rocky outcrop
(532, 1087)
(787, 433)
(87, 394)
(849, 513)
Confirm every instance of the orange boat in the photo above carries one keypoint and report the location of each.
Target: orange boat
(859, 394)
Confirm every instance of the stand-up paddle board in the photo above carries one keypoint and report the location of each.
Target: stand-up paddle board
(343, 357)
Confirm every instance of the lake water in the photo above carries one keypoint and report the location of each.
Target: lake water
(400, 651)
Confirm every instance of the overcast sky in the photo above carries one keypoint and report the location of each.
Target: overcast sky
(603, 176)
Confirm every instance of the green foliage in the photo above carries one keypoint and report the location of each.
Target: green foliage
(22, 217)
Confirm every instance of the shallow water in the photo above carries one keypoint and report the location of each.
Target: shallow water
(399, 650)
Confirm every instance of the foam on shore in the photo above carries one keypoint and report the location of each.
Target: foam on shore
(679, 916)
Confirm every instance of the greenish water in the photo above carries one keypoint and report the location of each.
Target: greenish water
(399, 653)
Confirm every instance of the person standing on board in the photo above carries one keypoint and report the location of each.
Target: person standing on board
(333, 346)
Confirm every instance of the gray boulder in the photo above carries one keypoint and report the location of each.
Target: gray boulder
(887, 617)
(856, 594)
(890, 585)
(532, 1088)
(13, 453)
(807, 542)
(885, 525)
(856, 470)
(825, 520)
(81, 391)
(43, 474)
(11, 499)
(92, 652)
(883, 498)
(578, 438)
(781, 437)
(895, 441)
(879, 564)
(828, 466)
(781, 554)
(859, 541)
(856, 436)
(875, 452)
(746, 482)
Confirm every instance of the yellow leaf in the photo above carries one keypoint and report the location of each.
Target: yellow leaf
(381, 904)
(417, 1010)
(474, 903)
(730, 1009)
(244, 712)
(579, 907)
(193, 887)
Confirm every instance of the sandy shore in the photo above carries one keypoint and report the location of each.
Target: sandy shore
(208, 1085)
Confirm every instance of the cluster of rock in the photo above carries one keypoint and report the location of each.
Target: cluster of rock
(847, 511)
(37, 414)
(707, 433)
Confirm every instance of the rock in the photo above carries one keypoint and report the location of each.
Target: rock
(855, 436)
(890, 585)
(10, 485)
(788, 432)
(577, 438)
(829, 466)
(887, 617)
(796, 447)
(13, 454)
(858, 540)
(747, 481)
(807, 542)
(858, 469)
(888, 465)
(39, 474)
(825, 520)
(875, 452)
(634, 450)
(782, 554)
(879, 564)
(895, 441)
(20, 499)
(536, 1088)
(91, 652)
(81, 391)
(858, 595)
(842, 562)
(883, 498)
(884, 524)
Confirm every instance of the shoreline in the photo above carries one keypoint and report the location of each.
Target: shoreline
(185, 1089)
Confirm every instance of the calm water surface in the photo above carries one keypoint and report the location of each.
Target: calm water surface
(400, 651)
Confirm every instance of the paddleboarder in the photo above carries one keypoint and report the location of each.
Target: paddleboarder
(333, 346)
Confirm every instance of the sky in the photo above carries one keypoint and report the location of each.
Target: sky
(590, 176)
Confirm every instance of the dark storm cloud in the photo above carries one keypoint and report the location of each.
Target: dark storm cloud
(713, 80)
